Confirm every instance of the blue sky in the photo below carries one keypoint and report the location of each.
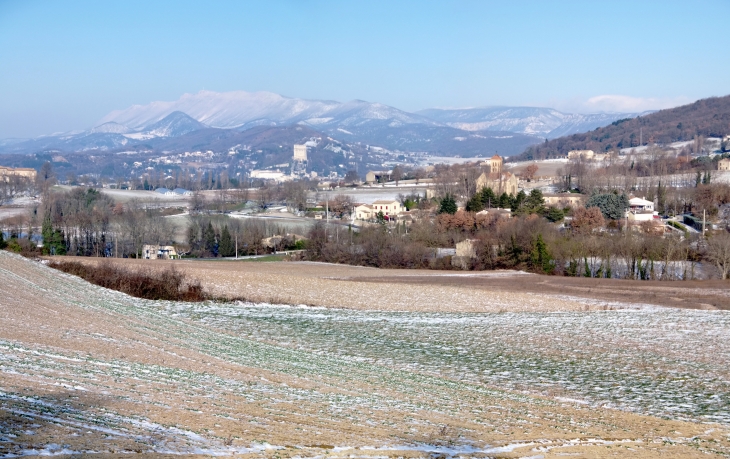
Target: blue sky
(64, 65)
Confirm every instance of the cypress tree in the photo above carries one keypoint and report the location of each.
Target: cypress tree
(226, 247)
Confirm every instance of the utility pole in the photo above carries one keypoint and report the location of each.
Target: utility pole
(236, 244)
(704, 216)
(326, 214)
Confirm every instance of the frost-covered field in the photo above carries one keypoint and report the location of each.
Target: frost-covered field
(672, 363)
(86, 370)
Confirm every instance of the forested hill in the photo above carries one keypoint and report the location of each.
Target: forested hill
(706, 117)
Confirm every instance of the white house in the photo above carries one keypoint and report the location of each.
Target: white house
(640, 205)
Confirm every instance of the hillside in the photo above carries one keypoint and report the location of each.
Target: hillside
(707, 117)
(91, 371)
(543, 122)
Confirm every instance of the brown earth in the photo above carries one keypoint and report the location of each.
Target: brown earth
(80, 348)
(343, 286)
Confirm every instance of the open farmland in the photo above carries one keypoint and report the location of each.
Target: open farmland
(87, 370)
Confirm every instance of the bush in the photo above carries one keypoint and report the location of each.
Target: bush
(679, 226)
(168, 284)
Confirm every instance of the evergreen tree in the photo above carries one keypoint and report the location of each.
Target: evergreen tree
(448, 205)
(504, 201)
(54, 242)
(211, 245)
(541, 259)
(554, 214)
(226, 247)
(475, 203)
(193, 238)
(518, 200)
(612, 205)
(3, 244)
(661, 196)
(488, 198)
(534, 203)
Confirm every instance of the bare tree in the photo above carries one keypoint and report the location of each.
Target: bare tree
(397, 174)
(586, 220)
(718, 252)
(530, 171)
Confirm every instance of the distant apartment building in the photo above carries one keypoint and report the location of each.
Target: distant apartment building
(6, 173)
(300, 153)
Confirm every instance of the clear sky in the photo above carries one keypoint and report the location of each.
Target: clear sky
(64, 65)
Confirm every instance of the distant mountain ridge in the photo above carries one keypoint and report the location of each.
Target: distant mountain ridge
(466, 132)
(707, 117)
(242, 110)
(543, 122)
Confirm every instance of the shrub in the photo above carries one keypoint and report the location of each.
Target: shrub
(168, 284)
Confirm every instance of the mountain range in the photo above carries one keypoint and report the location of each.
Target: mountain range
(201, 118)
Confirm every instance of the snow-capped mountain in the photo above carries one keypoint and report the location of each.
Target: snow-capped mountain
(446, 132)
(225, 110)
(110, 128)
(543, 122)
(242, 110)
(173, 125)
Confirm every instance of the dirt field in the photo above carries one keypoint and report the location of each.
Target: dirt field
(415, 368)
(354, 287)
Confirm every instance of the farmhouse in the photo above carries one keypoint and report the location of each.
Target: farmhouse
(377, 176)
(723, 164)
(159, 252)
(389, 208)
(363, 212)
(6, 173)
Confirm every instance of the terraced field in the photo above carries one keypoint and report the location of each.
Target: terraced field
(85, 370)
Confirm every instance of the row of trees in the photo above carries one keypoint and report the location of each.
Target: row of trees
(85, 222)
(525, 242)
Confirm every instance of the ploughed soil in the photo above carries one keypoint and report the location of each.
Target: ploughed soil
(84, 370)
(343, 286)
